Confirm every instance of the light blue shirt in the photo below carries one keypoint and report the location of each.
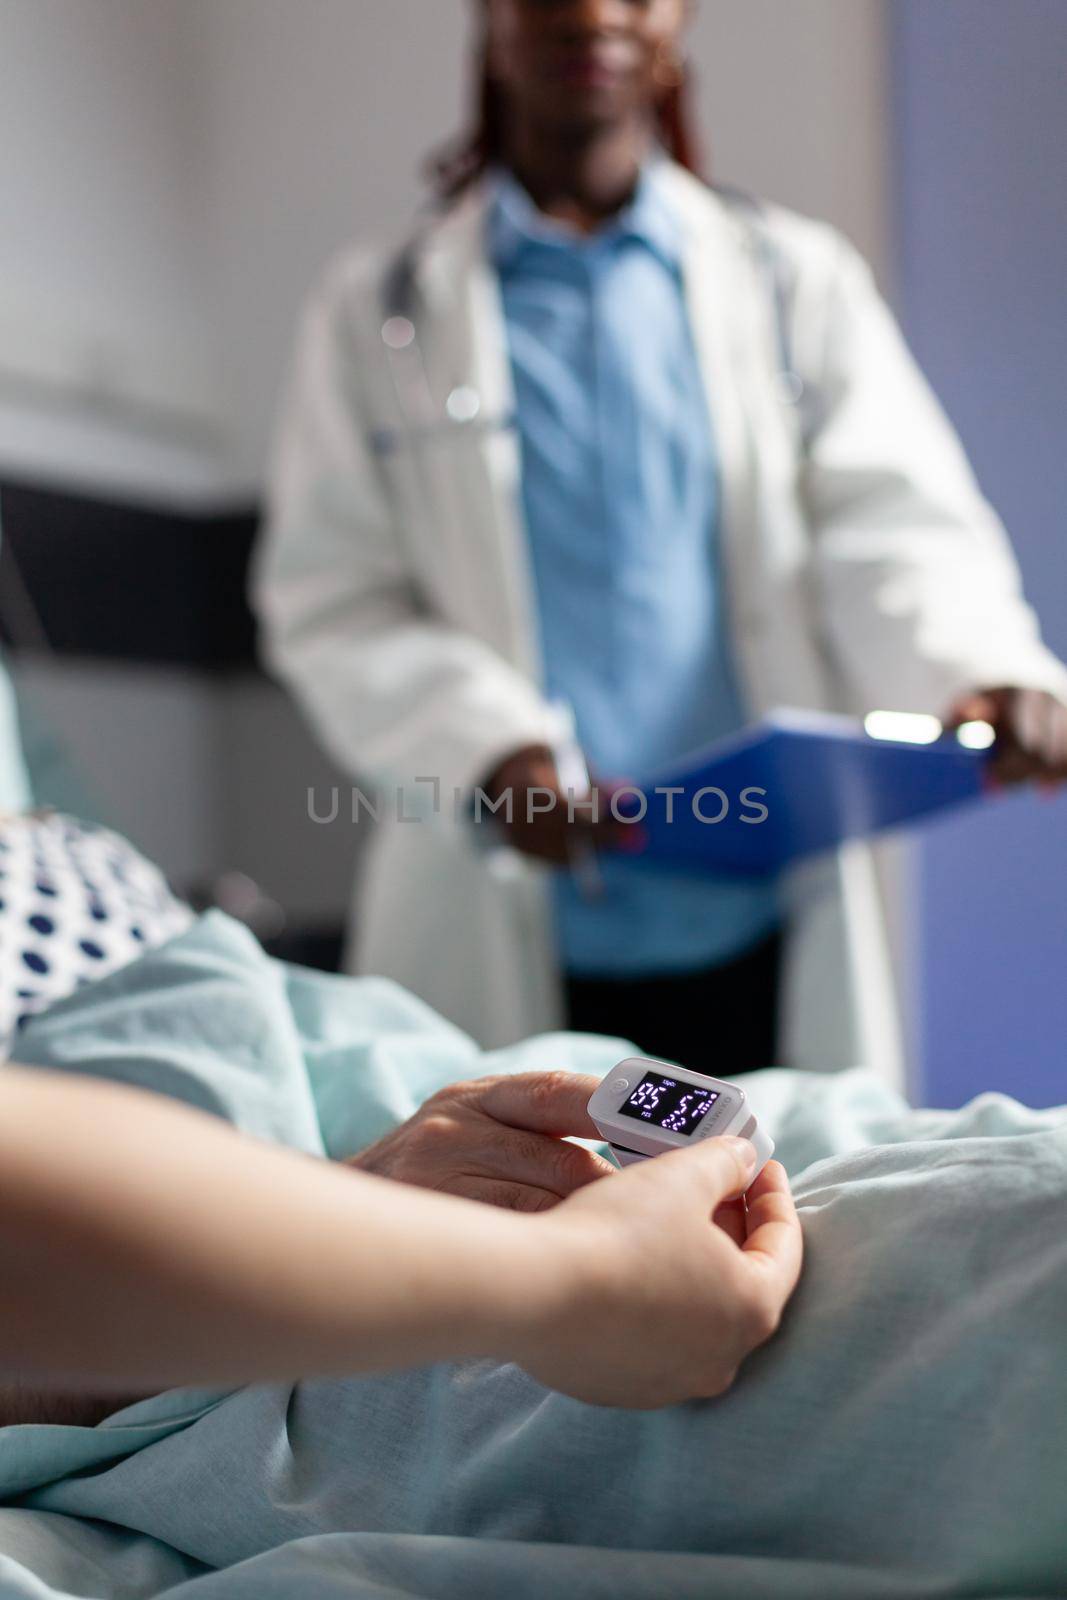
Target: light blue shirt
(620, 494)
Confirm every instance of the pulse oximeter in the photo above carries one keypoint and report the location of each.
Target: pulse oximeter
(645, 1108)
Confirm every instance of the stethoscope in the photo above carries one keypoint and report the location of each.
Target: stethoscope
(778, 275)
(424, 420)
(426, 423)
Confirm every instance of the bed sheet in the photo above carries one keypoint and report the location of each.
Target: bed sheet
(905, 1435)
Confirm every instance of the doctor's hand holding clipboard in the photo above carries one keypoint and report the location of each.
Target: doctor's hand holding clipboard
(1030, 726)
(543, 812)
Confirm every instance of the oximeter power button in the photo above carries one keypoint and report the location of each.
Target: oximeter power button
(620, 1084)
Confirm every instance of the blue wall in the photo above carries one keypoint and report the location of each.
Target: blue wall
(981, 163)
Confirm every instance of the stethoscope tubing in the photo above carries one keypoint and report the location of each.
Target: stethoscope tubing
(425, 424)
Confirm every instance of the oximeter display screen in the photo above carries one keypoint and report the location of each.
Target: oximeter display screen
(666, 1103)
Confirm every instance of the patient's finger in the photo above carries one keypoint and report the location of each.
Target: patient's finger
(507, 1196)
(538, 1159)
(545, 1102)
(774, 1242)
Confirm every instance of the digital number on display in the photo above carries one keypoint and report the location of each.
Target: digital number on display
(665, 1103)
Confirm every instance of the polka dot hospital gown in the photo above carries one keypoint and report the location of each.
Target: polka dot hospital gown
(76, 902)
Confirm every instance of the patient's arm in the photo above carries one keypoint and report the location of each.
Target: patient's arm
(144, 1244)
(499, 1140)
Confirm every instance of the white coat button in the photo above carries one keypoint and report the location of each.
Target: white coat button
(399, 333)
(463, 404)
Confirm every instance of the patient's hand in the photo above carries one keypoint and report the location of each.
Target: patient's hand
(500, 1140)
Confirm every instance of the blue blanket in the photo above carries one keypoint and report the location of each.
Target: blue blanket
(904, 1435)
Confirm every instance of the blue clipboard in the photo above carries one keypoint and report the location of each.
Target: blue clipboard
(819, 779)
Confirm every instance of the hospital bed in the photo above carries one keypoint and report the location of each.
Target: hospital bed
(903, 1436)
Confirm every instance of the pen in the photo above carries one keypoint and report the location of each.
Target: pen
(577, 784)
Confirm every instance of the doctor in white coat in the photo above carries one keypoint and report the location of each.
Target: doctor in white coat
(600, 434)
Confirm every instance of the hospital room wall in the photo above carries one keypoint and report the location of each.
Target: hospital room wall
(981, 172)
(102, 287)
(102, 267)
(109, 385)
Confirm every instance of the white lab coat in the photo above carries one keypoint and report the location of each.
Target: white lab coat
(862, 568)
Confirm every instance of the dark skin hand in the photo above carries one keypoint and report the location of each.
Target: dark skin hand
(540, 824)
(580, 81)
(1031, 729)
